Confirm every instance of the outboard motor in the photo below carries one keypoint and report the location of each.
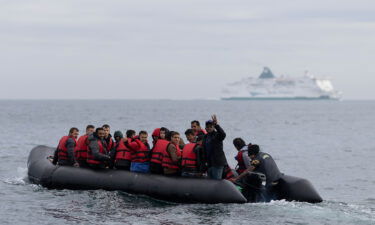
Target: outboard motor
(253, 187)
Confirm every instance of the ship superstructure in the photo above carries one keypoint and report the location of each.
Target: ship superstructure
(268, 86)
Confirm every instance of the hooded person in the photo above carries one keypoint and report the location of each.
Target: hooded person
(124, 151)
(155, 136)
(157, 151)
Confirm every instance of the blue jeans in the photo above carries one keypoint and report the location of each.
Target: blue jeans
(215, 172)
(140, 167)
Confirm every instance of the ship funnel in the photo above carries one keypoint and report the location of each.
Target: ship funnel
(266, 74)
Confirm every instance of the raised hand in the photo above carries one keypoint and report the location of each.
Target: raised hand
(214, 119)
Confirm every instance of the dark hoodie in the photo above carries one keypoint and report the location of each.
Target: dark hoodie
(93, 145)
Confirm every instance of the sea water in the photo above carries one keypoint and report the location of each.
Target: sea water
(330, 143)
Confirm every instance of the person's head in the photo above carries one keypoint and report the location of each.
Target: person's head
(100, 132)
(90, 129)
(155, 134)
(107, 129)
(74, 132)
(196, 126)
(118, 135)
(239, 143)
(190, 135)
(143, 136)
(175, 137)
(253, 150)
(210, 126)
(130, 133)
(163, 133)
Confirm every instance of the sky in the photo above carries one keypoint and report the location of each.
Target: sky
(168, 49)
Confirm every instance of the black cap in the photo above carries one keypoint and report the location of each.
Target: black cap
(209, 122)
(252, 149)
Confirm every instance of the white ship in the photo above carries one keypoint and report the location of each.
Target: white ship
(269, 87)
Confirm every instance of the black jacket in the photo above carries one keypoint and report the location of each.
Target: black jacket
(216, 156)
(93, 145)
(268, 167)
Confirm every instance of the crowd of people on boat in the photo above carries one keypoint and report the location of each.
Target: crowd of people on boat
(202, 156)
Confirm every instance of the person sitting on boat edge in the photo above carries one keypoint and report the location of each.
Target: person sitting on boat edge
(123, 151)
(158, 150)
(242, 157)
(80, 151)
(262, 163)
(213, 148)
(192, 156)
(97, 154)
(140, 162)
(172, 156)
(64, 153)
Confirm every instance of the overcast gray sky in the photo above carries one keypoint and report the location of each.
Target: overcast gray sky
(180, 49)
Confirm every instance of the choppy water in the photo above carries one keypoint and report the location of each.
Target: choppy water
(330, 143)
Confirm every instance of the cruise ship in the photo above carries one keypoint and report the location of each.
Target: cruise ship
(269, 87)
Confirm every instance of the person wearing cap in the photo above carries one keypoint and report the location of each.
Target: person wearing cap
(213, 147)
(261, 162)
(161, 143)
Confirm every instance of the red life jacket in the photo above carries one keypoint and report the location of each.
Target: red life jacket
(155, 134)
(167, 160)
(241, 167)
(141, 154)
(158, 151)
(80, 151)
(62, 149)
(90, 157)
(189, 157)
(110, 144)
(123, 152)
(202, 131)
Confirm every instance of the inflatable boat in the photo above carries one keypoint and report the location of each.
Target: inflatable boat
(176, 189)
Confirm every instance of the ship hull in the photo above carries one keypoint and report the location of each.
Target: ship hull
(278, 98)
